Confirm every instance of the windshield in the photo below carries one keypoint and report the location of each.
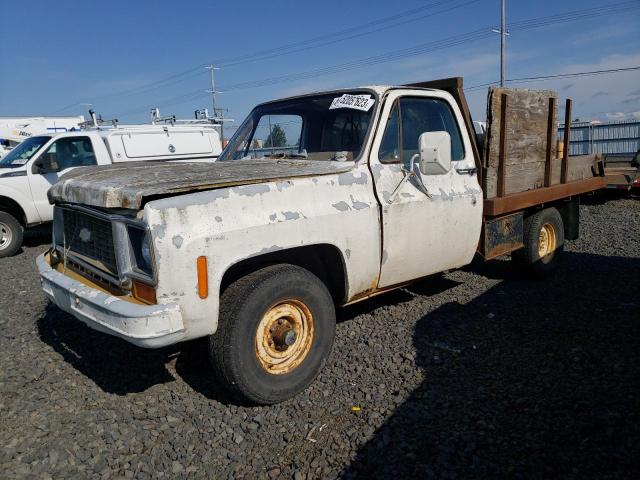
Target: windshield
(23, 152)
(320, 127)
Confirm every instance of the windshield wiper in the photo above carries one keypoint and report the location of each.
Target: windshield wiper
(341, 156)
(302, 154)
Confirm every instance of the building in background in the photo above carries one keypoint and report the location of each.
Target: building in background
(607, 138)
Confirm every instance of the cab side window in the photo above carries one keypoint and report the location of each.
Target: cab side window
(70, 152)
(409, 118)
(421, 115)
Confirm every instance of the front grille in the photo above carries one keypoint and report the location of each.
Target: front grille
(90, 239)
(111, 287)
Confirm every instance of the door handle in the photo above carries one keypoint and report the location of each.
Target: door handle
(468, 171)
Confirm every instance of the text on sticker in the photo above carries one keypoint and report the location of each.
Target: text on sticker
(357, 102)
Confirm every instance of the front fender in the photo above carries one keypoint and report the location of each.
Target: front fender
(233, 224)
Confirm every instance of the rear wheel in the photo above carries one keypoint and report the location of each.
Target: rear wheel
(543, 243)
(10, 235)
(275, 332)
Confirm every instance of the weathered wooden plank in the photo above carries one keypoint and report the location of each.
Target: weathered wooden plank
(527, 133)
(565, 149)
(551, 141)
(518, 201)
(504, 103)
(531, 176)
(579, 167)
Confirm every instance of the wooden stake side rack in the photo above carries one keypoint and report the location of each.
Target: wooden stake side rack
(504, 203)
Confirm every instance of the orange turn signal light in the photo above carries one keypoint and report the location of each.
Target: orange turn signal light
(144, 293)
(203, 279)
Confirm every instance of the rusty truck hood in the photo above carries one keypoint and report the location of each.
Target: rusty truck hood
(129, 185)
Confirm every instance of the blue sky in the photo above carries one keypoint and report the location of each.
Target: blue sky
(56, 55)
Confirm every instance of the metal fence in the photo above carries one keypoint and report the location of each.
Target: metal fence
(613, 138)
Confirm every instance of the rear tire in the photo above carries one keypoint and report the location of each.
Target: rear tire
(11, 233)
(275, 331)
(543, 243)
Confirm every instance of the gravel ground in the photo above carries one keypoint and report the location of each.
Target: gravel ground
(478, 373)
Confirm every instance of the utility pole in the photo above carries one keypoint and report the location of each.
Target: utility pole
(503, 36)
(211, 68)
(213, 92)
(221, 112)
(503, 33)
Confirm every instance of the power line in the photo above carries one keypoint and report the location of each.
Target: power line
(428, 47)
(437, 45)
(331, 35)
(296, 47)
(551, 77)
(556, 76)
(287, 49)
(278, 53)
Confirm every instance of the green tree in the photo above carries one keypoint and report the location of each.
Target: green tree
(277, 137)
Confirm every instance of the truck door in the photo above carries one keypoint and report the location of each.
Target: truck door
(424, 234)
(60, 157)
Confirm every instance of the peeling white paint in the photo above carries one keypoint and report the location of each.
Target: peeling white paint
(245, 230)
(177, 240)
(291, 215)
(423, 235)
(340, 204)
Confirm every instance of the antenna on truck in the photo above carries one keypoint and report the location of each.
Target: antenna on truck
(202, 116)
(156, 118)
(96, 121)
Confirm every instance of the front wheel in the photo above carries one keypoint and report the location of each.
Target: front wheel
(275, 331)
(543, 243)
(10, 235)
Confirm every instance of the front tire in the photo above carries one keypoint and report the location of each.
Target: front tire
(10, 235)
(275, 331)
(543, 243)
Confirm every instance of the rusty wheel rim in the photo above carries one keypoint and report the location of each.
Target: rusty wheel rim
(5, 235)
(284, 337)
(546, 240)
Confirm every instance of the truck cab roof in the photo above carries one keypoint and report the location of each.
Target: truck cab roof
(378, 90)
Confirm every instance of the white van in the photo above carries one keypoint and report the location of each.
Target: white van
(14, 130)
(28, 171)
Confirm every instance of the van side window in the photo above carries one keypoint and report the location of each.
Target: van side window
(71, 152)
(419, 115)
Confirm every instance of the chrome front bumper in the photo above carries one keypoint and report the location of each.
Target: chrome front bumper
(149, 326)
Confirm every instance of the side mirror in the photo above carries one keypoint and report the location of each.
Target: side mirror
(435, 153)
(38, 167)
(45, 164)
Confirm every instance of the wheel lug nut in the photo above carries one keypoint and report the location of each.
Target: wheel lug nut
(290, 337)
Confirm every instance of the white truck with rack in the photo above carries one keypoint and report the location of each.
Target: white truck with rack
(30, 169)
(366, 190)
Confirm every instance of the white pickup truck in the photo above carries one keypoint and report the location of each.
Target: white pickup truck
(29, 170)
(363, 191)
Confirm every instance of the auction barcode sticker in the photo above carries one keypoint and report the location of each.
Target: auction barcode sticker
(357, 102)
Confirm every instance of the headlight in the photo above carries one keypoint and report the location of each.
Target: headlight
(141, 250)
